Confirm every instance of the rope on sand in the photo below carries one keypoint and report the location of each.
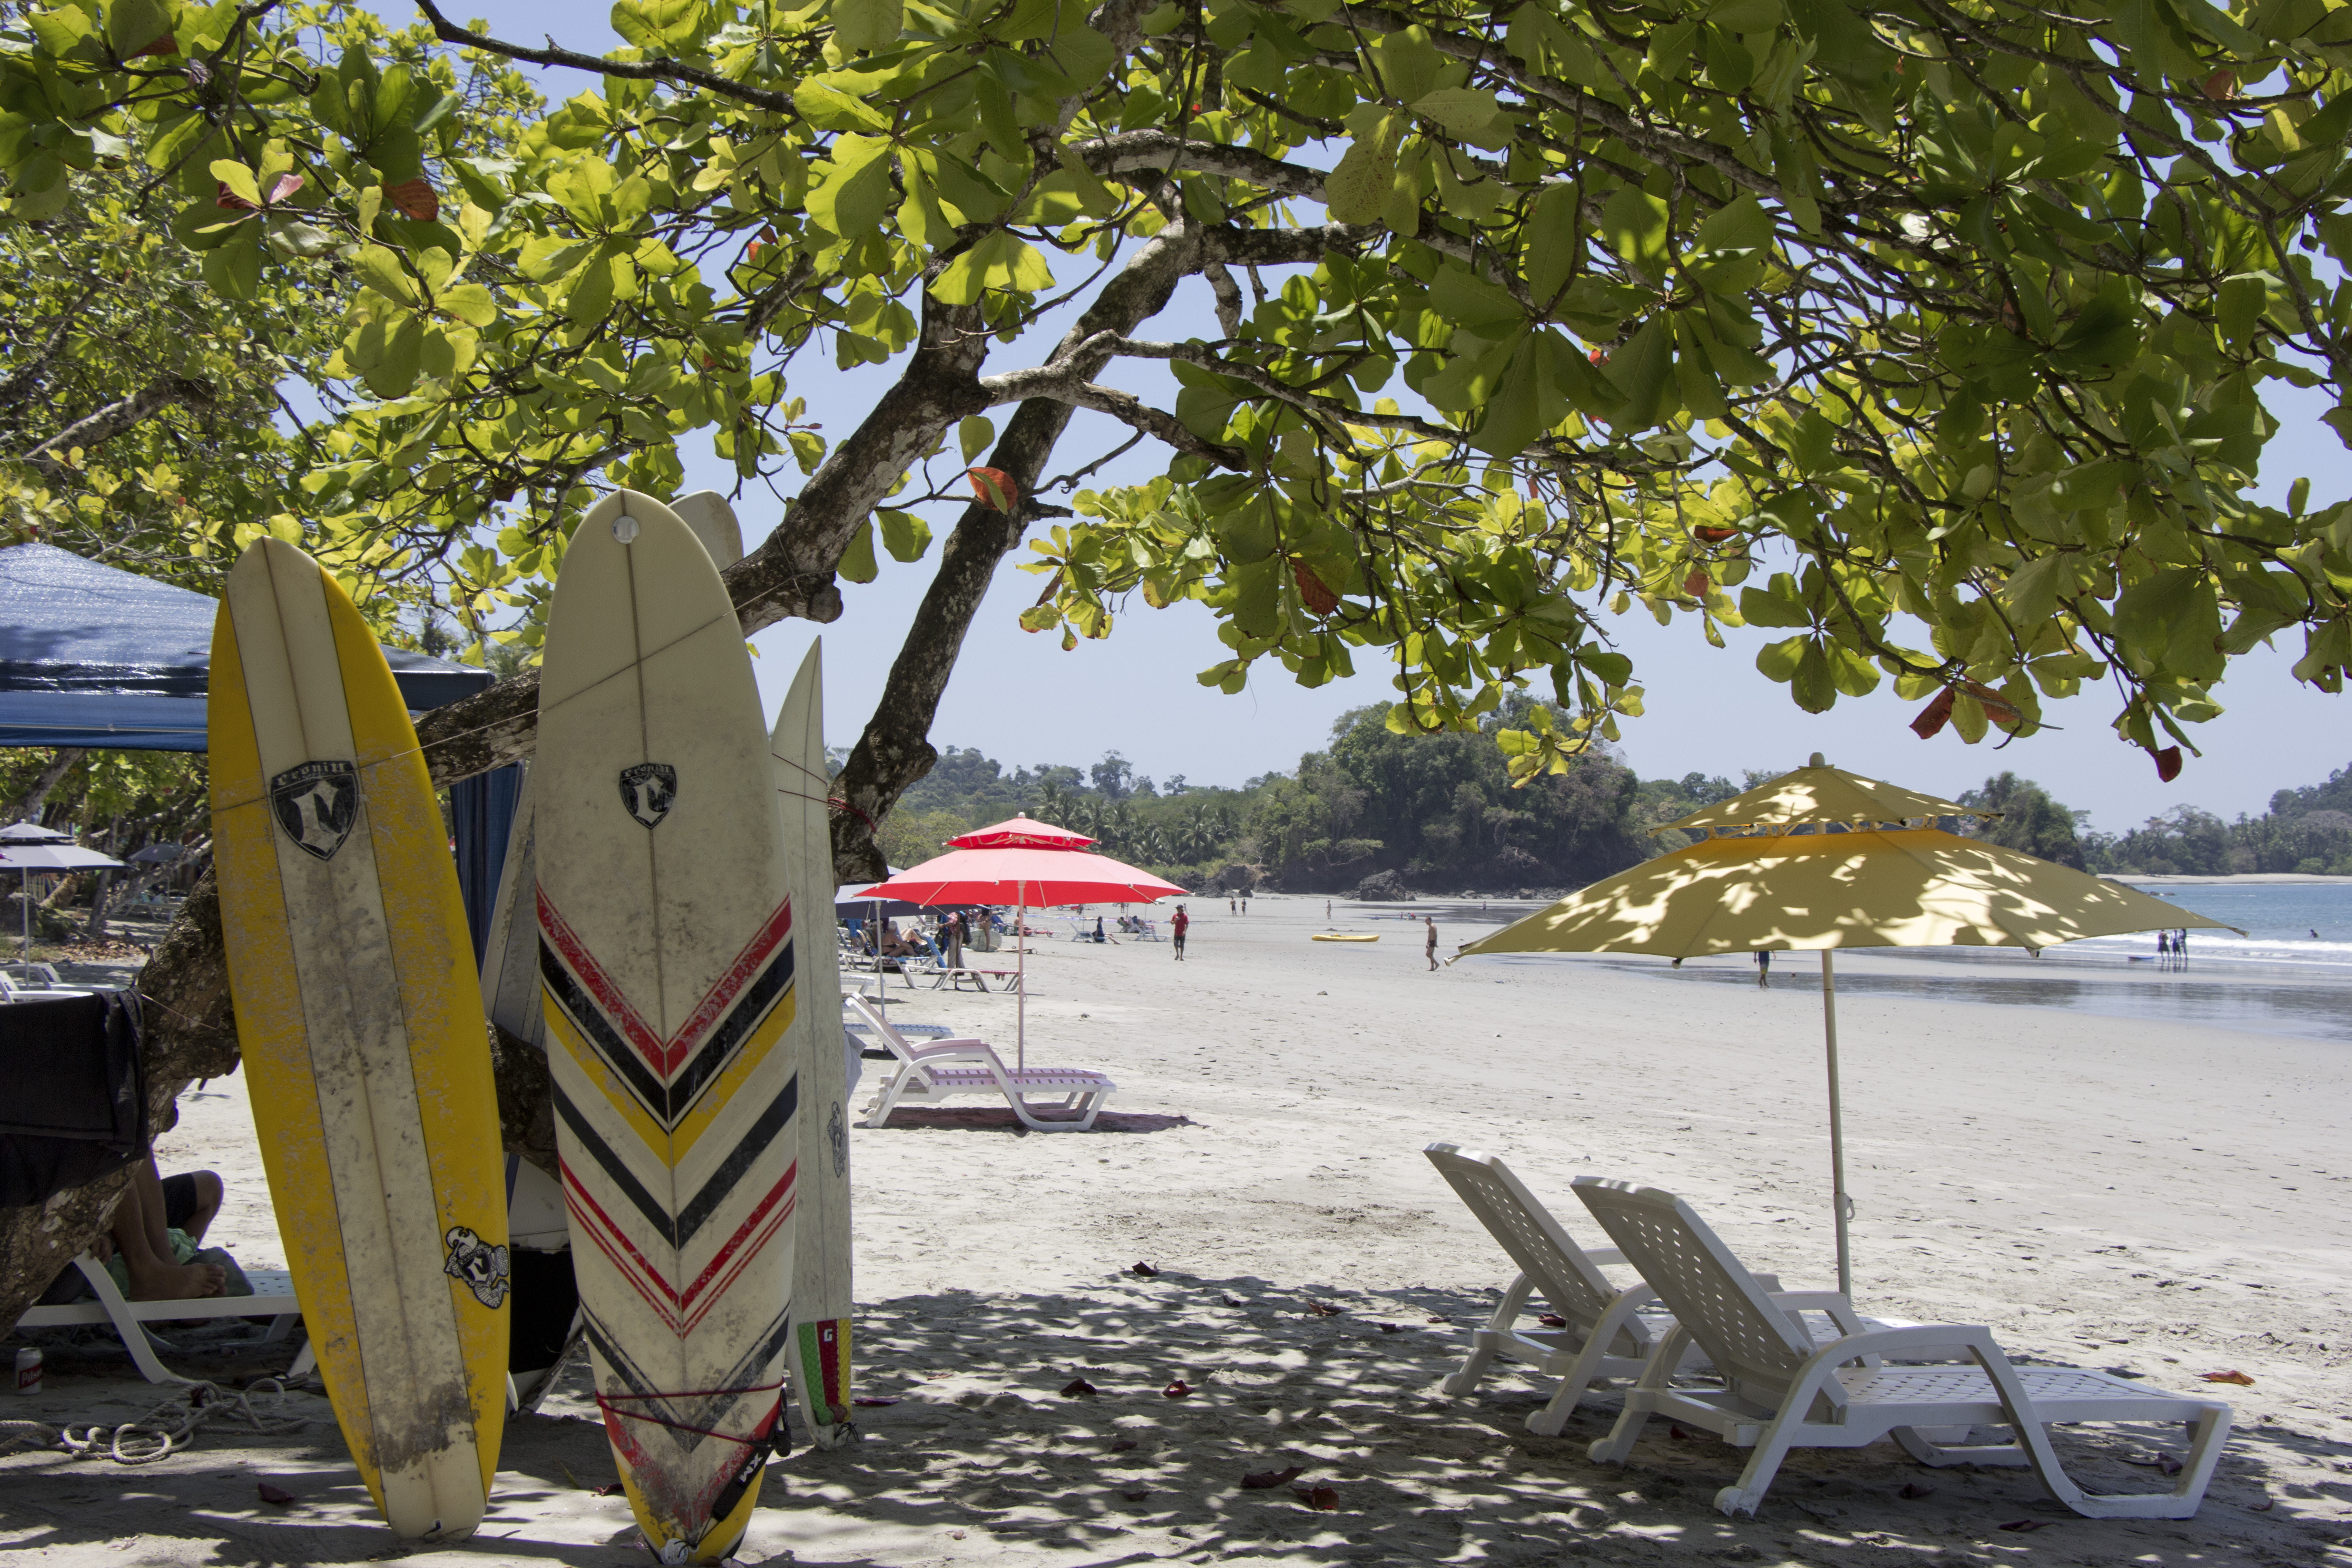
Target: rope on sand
(164, 1430)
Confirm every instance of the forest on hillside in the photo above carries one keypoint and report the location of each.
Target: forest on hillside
(1436, 813)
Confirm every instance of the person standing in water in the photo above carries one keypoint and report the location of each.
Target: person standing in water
(1763, 966)
(1429, 948)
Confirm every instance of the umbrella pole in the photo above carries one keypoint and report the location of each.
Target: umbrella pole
(1837, 1127)
(1020, 983)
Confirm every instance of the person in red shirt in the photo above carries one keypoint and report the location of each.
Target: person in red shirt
(1177, 926)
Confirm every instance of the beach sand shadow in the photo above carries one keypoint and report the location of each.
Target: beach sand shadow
(980, 1451)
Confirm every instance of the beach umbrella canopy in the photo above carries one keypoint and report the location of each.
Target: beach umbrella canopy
(1821, 859)
(1027, 864)
(40, 849)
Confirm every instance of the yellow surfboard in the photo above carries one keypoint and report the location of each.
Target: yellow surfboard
(359, 1022)
(1341, 936)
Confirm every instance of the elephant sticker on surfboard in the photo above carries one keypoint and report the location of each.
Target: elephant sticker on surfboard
(357, 1018)
(821, 1299)
(667, 960)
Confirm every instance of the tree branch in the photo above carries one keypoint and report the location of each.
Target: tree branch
(114, 420)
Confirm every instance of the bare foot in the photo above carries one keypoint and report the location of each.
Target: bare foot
(177, 1282)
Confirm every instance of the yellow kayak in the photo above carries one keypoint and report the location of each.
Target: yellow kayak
(1341, 936)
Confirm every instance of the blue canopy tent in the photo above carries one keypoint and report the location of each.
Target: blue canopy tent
(91, 655)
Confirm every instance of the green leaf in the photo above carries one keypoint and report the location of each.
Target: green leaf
(1634, 224)
(829, 109)
(905, 535)
(853, 187)
(858, 562)
(237, 178)
(1357, 190)
(1409, 63)
(975, 434)
(1003, 261)
(1643, 372)
(133, 24)
(1469, 113)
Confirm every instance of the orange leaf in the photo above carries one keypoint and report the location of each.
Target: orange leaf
(230, 199)
(413, 198)
(166, 45)
(2167, 768)
(1714, 535)
(1180, 1389)
(1932, 717)
(2222, 84)
(2233, 1375)
(1697, 583)
(1319, 599)
(1322, 1499)
(995, 488)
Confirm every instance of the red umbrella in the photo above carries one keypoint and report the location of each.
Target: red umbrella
(1023, 863)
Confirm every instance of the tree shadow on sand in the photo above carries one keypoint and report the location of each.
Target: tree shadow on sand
(980, 1119)
(987, 1439)
(1038, 1427)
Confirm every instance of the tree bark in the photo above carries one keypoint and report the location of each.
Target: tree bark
(59, 763)
(114, 420)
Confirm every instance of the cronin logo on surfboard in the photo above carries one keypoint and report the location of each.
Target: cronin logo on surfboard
(482, 1267)
(316, 804)
(647, 791)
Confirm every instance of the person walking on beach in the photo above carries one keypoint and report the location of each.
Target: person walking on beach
(1176, 928)
(1763, 966)
(1429, 948)
(1245, 901)
(2164, 948)
(1232, 907)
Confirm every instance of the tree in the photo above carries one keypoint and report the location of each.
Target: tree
(2030, 820)
(1960, 314)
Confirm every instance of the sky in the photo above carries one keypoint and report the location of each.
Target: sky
(1018, 697)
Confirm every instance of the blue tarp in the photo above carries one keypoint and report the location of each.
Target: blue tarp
(90, 656)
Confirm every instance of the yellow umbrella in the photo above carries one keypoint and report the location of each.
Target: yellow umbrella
(1824, 858)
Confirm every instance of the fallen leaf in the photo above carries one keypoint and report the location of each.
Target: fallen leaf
(1145, 1271)
(955, 1535)
(1324, 1309)
(278, 1495)
(1552, 1321)
(1266, 1480)
(1914, 1491)
(1122, 1444)
(2233, 1375)
(2026, 1526)
(1392, 1328)
(868, 1402)
(1322, 1499)
(1137, 1497)
(997, 492)
(1179, 1389)
(2164, 1463)
(610, 1489)
(413, 198)
(1233, 1302)
(1678, 1434)
(1437, 1320)
(1077, 1386)
(2262, 1506)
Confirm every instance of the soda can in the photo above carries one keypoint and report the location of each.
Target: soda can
(28, 1371)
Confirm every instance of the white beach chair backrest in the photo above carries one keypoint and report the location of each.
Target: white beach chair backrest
(879, 1022)
(1569, 1282)
(1709, 1292)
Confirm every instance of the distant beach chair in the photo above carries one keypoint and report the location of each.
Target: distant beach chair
(272, 1298)
(1780, 1391)
(923, 1078)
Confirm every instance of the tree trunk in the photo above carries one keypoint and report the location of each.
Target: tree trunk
(30, 808)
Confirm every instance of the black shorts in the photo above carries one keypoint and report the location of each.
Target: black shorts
(179, 1200)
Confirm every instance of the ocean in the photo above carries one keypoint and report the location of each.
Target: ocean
(2277, 979)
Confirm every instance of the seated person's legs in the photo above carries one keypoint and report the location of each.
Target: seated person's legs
(139, 1234)
(192, 1201)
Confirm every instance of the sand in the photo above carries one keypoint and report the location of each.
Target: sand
(2161, 1197)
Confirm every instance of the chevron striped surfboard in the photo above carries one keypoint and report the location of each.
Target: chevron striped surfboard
(666, 968)
(821, 1289)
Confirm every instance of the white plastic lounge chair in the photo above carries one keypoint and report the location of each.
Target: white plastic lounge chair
(923, 1079)
(1608, 1333)
(1611, 1331)
(273, 1298)
(1779, 1391)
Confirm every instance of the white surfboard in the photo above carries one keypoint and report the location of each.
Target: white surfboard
(820, 1288)
(511, 950)
(667, 960)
